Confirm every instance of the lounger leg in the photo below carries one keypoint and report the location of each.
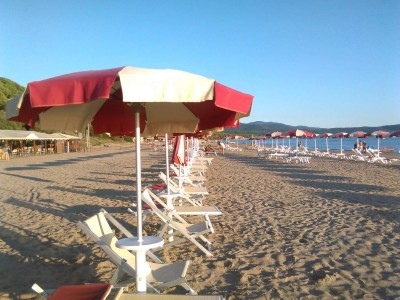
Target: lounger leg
(209, 223)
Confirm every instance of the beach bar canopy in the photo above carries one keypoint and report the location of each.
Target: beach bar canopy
(21, 135)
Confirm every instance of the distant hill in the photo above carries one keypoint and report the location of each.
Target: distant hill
(260, 128)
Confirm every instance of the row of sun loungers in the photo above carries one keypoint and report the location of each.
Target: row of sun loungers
(284, 154)
(186, 197)
(303, 155)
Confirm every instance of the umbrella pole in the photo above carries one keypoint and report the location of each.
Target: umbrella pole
(167, 162)
(138, 174)
(341, 145)
(141, 264)
(140, 244)
(168, 196)
(378, 146)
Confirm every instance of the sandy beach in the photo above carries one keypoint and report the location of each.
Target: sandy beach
(324, 230)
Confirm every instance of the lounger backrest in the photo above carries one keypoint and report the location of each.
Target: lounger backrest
(147, 199)
(176, 221)
(175, 169)
(171, 183)
(100, 228)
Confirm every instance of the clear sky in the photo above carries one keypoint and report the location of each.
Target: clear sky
(324, 63)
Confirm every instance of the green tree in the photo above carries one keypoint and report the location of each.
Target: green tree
(8, 89)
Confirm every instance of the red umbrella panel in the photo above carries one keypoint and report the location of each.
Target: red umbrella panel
(179, 153)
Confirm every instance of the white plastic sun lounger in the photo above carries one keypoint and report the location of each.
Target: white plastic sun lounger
(161, 276)
(188, 210)
(190, 232)
(193, 195)
(188, 189)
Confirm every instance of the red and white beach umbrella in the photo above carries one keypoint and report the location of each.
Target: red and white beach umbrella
(326, 135)
(298, 133)
(128, 101)
(358, 135)
(380, 134)
(276, 135)
(341, 135)
(170, 101)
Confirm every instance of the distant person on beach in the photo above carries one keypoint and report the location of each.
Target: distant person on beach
(364, 146)
(7, 152)
(208, 148)
(221, 147)
(355, 146)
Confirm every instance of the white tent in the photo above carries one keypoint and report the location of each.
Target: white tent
(21, 135)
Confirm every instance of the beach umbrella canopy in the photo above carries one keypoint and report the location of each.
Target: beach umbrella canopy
(326, 135)
(380, 134)
(395, 134)
(299, 133)
(358, 134)
(169, 102)
(341, 135)
(276, 134)
(128, 101)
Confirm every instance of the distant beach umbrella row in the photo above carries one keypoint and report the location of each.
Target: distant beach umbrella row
(298, 133)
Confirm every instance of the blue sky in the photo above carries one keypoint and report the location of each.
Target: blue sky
(328, 63)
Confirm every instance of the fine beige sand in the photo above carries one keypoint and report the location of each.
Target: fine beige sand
(324, 230)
